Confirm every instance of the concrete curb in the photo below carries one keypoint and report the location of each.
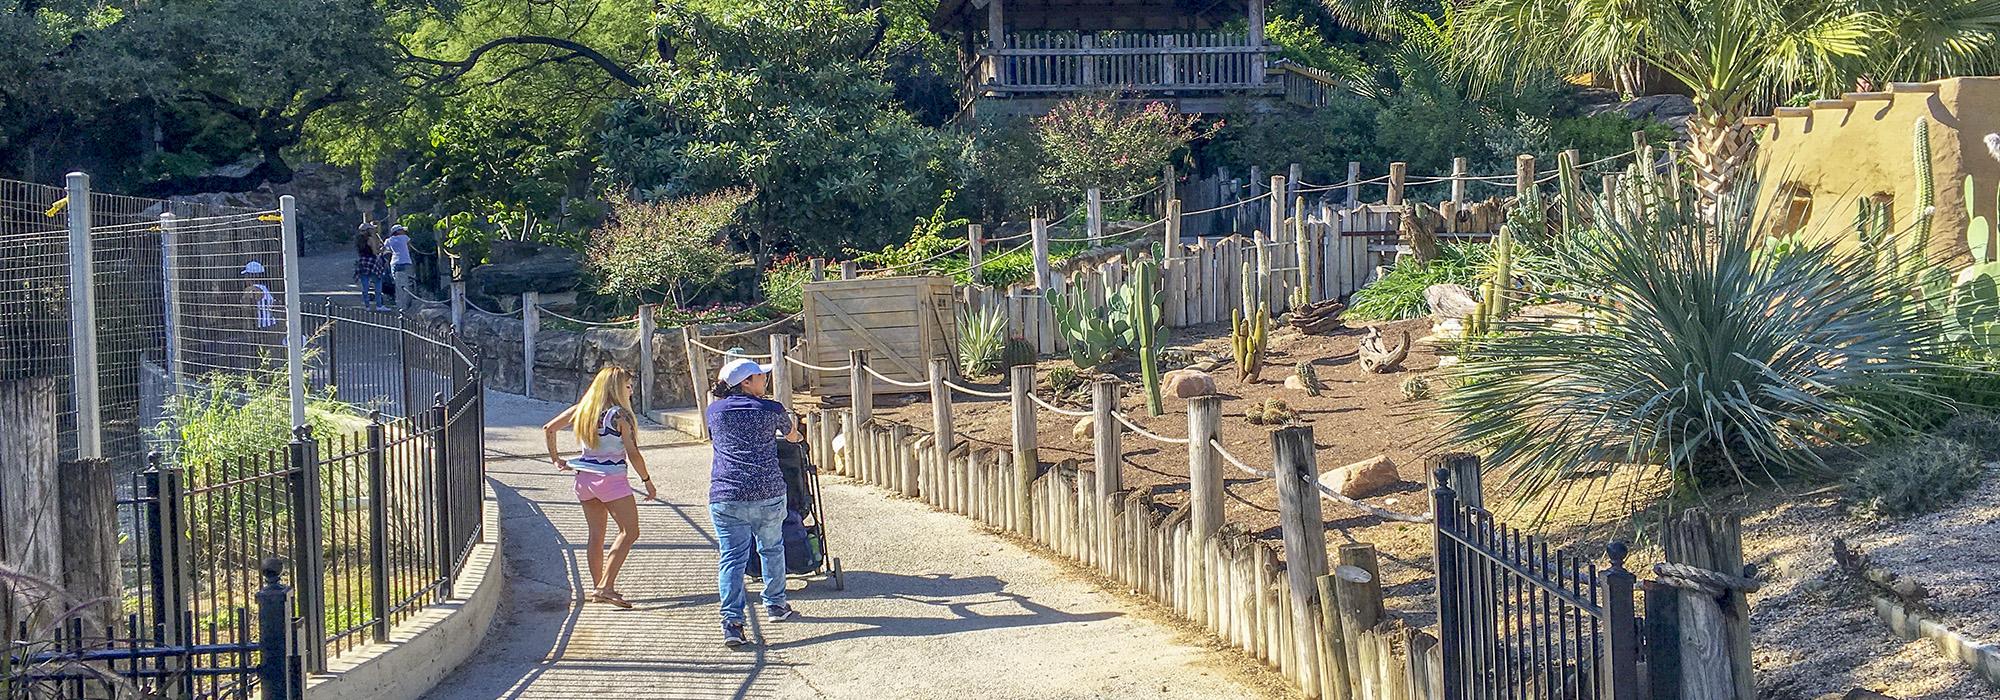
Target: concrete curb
(1983, 659)
(423, 650)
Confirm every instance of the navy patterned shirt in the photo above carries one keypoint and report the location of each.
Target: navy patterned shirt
(745, 432)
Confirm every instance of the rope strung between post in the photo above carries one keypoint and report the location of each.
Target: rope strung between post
(975, 392)
(730, 353)
(597, 324)
(1377, 511)
(1056, 409)
(502, 314)
(1127, 198)
(989, 256)
(849, 367)
(1705, 581)
(947, 251)
(1237, 203)
(1148, 433)
(1230, 458)
(758, 329)
(886, 378)
(1112, 237)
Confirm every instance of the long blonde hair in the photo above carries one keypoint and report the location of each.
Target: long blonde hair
(606, 390)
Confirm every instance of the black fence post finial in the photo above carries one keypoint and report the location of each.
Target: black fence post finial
(279, 672)
(1621, 628)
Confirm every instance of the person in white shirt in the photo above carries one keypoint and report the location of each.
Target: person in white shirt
(399, 264)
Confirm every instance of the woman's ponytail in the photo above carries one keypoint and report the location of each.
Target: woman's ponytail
(723, 390)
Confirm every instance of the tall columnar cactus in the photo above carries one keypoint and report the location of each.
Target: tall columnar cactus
(1247, 338)
(1571, 188)
(1302, 295)
(1143, 309)
(1920, 146)
(1251, 292)
(1493, 301)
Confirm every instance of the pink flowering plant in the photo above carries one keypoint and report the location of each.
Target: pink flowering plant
(1110, 143)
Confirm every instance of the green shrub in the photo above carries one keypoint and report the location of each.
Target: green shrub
(1400, 293)
(674, 248)
(1694, 352)
(1918, 476)
(783, 284)
(982, 338)
(1979, 431)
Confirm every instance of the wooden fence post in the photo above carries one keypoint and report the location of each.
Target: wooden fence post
(847, 270)
(1204, 467)
(1093, 213)
(1297, 474)
(1353, 183)
(647, 374)
(781, 369)
(1458, 168)
(1524, 176)
(1715, 633)
(975, 242)
(1027, 461)
(1358, 586)
(1169, 179)
(87, 508)
(1107, 430)
(698, 375)
(1039, 238)
(531, 326)
(1464, 470)
(1276, 231)
(458, 305)
(943, 439)
(1398, 172)
(817, 268)
(1293, 176)
(1620, 651)
(899, 465)
(30, 535)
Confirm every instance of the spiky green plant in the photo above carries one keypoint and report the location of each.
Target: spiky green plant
(1091, 335)
(1143, 308)
(1303, 294)
(1247, 340)
(1920, 150)
(982, 340)
(1569, 184)
(1697, 353)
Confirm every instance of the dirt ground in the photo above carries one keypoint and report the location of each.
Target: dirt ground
(1815, 632)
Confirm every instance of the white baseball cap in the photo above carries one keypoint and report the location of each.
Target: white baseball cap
(739, 369)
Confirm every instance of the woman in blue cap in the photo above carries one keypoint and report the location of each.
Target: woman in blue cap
(746, 493)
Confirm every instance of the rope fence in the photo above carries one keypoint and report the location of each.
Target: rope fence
(1147, 433)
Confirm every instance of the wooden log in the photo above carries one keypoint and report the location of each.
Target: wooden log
(1334, 669)
(30, 531)
(1524, 176)
(1398, 172)
(1464, 469)
(901, 479)
(87, 507)
(847, 270)
(1297, 476)
(975, 240)
(1027, 464)
(1715, 634)
(1358, 586)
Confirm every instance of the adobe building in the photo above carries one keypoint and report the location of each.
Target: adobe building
(1817, 161)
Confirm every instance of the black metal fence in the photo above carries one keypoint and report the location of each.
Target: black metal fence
(1518, 619)
(372, 523)
(73, 661)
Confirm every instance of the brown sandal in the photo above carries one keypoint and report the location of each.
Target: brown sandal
(610, 598)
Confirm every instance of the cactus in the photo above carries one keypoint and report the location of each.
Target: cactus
(1271, 412)
(1093, 336)
(1572, 193)
(1503, 270)
(1416, 387)
(1249, 288)
(1968, 303)
(1247, 339)
(1920, 147)
(1308, 379)
(1143, 311)
(1016, 352)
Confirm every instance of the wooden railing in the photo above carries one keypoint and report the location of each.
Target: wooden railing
(1071, 62)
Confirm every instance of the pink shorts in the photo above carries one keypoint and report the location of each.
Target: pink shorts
(592, 486)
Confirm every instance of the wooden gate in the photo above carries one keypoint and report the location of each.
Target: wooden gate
(902, 322)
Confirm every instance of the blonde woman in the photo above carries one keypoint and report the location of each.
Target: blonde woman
(605, 427)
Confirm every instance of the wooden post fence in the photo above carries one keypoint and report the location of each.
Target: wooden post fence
(697, 365)
(1398, 172)
(531, 326)
(975, 242)
(1353, 183)
(781, 370)
(648, 372)
(1027, 460)
(1094, 215)
(941, 428)
(1039, 238)
(1305, 542)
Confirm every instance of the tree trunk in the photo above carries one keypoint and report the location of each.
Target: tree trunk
(1720, 147)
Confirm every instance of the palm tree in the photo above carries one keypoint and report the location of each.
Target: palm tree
(1737, 57)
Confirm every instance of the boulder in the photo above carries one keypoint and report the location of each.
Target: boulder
(1364, 478)
(1293, 382)
(1085, 428)
(1449, 302)
(520, 266)
(1187, 384)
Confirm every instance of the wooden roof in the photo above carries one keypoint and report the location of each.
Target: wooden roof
(1089, 15)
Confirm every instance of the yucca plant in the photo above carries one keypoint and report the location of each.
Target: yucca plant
(982, 341)
(1696, 353)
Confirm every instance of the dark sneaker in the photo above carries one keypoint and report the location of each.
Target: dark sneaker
(732, 634)
(780, 613)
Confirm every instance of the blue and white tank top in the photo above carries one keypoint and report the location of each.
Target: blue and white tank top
(609, 455)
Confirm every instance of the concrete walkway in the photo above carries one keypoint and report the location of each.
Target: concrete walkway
(934, 607)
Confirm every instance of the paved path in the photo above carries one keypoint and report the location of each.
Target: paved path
(933, 608)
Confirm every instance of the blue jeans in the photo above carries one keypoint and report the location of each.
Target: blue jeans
(371, 291)
(738, 525)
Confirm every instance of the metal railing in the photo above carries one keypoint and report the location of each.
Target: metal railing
(1518, 619)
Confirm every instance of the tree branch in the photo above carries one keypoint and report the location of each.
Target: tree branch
(454, 69)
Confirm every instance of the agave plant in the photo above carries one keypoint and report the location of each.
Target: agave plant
(1695, 352)
(982, 340)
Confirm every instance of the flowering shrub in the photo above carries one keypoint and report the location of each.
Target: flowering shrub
(1102, 141)
(784, 282)
(671, 248)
